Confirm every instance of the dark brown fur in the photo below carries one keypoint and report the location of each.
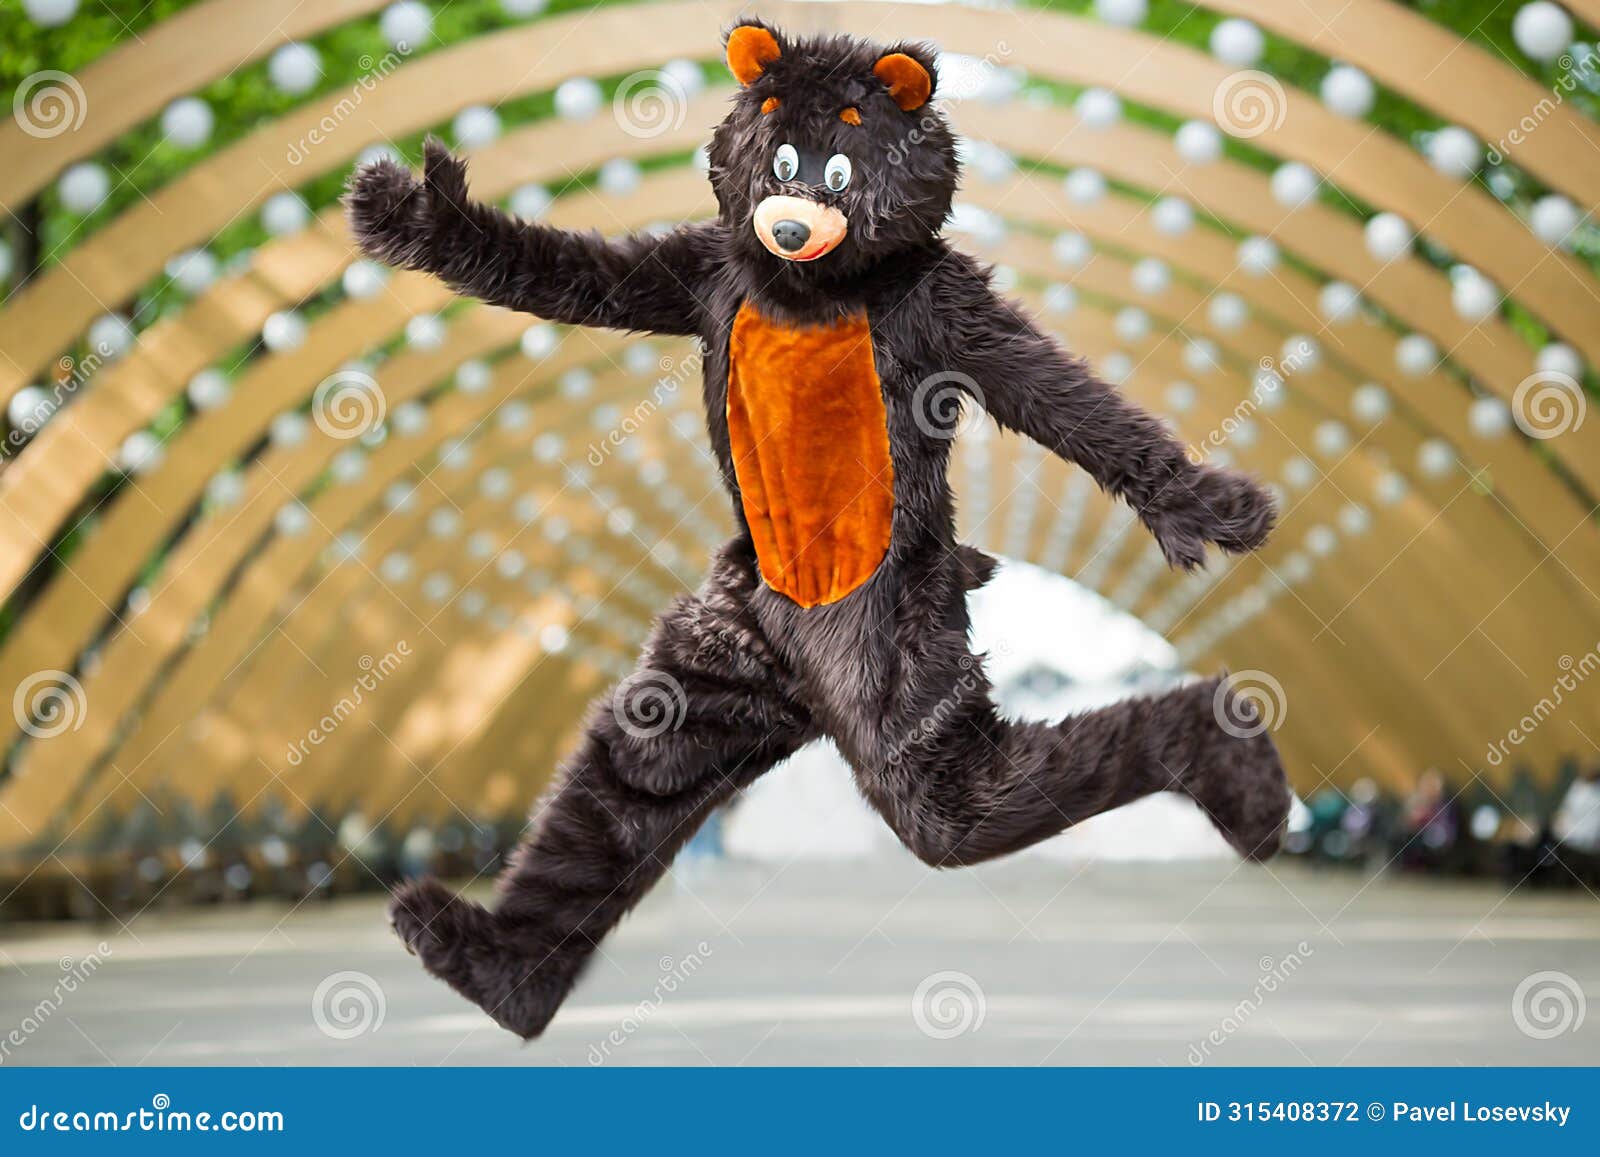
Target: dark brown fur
(886, 672)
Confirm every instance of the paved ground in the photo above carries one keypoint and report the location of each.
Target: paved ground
(1028, 962)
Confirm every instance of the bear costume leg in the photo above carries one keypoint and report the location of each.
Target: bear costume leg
(706, 712)
(960, 785)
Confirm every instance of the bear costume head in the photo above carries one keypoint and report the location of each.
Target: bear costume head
(833, 156)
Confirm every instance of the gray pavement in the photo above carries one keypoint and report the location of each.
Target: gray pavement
(1034, 961)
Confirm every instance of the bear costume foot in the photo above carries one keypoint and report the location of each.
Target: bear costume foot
(503, 971)
(1238, 779)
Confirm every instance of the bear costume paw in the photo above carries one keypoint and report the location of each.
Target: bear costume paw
(1237, 777)
(498, 968)
(1218, 506)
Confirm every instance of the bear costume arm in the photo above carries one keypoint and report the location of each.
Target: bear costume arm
(641, 282)
(1029, 384)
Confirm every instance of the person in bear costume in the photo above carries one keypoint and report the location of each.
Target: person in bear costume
(833, 318)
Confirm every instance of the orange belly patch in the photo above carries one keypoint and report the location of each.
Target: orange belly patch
(810, 443)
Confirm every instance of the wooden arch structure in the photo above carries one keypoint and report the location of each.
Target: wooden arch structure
(191, 644)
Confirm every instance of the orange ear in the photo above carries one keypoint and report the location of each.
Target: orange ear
(750, 49)
(909, 83)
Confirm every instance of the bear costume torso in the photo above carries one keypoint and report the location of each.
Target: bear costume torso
(810, 445)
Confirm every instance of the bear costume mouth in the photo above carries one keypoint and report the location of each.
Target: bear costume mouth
(798, 228)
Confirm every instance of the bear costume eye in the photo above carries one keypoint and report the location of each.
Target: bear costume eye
(837, 175)
(786, 164)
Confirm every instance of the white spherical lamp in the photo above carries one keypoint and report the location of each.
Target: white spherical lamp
(1299, 472)
(473, 376)
(208, 390)
(1542, 30)
(578, 99)
(1258, 256)
(283, 331)
(1338, 302)
(1553, 219)
(1097, 108)
(292, 520)
(1489, 417)
(1131, 325)
(425, 332)
(1122, 13)
(1294, 184)
(1238, 42)
(619, 177)
(1227, 312)
(1388, 237)
(1474, 296)
(1436, 458)
(1072, 250)
(1331, 438)
(1060, 299)
(1369, 403)
(1560, 358)
(193, 270)
(363, 279)
(1151, 276)
(539, 341)
(406, 25)
(110, 336)
(1455, 152)
(187, 122)
(83, 188)
(1391, 488)
(284, 214)
(1084, 186)
(531, 202)
(1198, 142)
(294, 68)
(1416, 355)
(50, 13)
(140, 453)
(1172, 216)
(476, 126)
(1348, 91)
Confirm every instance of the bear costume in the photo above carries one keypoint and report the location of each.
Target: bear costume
(834, 321)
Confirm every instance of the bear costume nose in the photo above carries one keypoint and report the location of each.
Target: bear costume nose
(791, 235)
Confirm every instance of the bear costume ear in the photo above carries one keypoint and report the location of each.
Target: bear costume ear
(910, 81)
(751, 47)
